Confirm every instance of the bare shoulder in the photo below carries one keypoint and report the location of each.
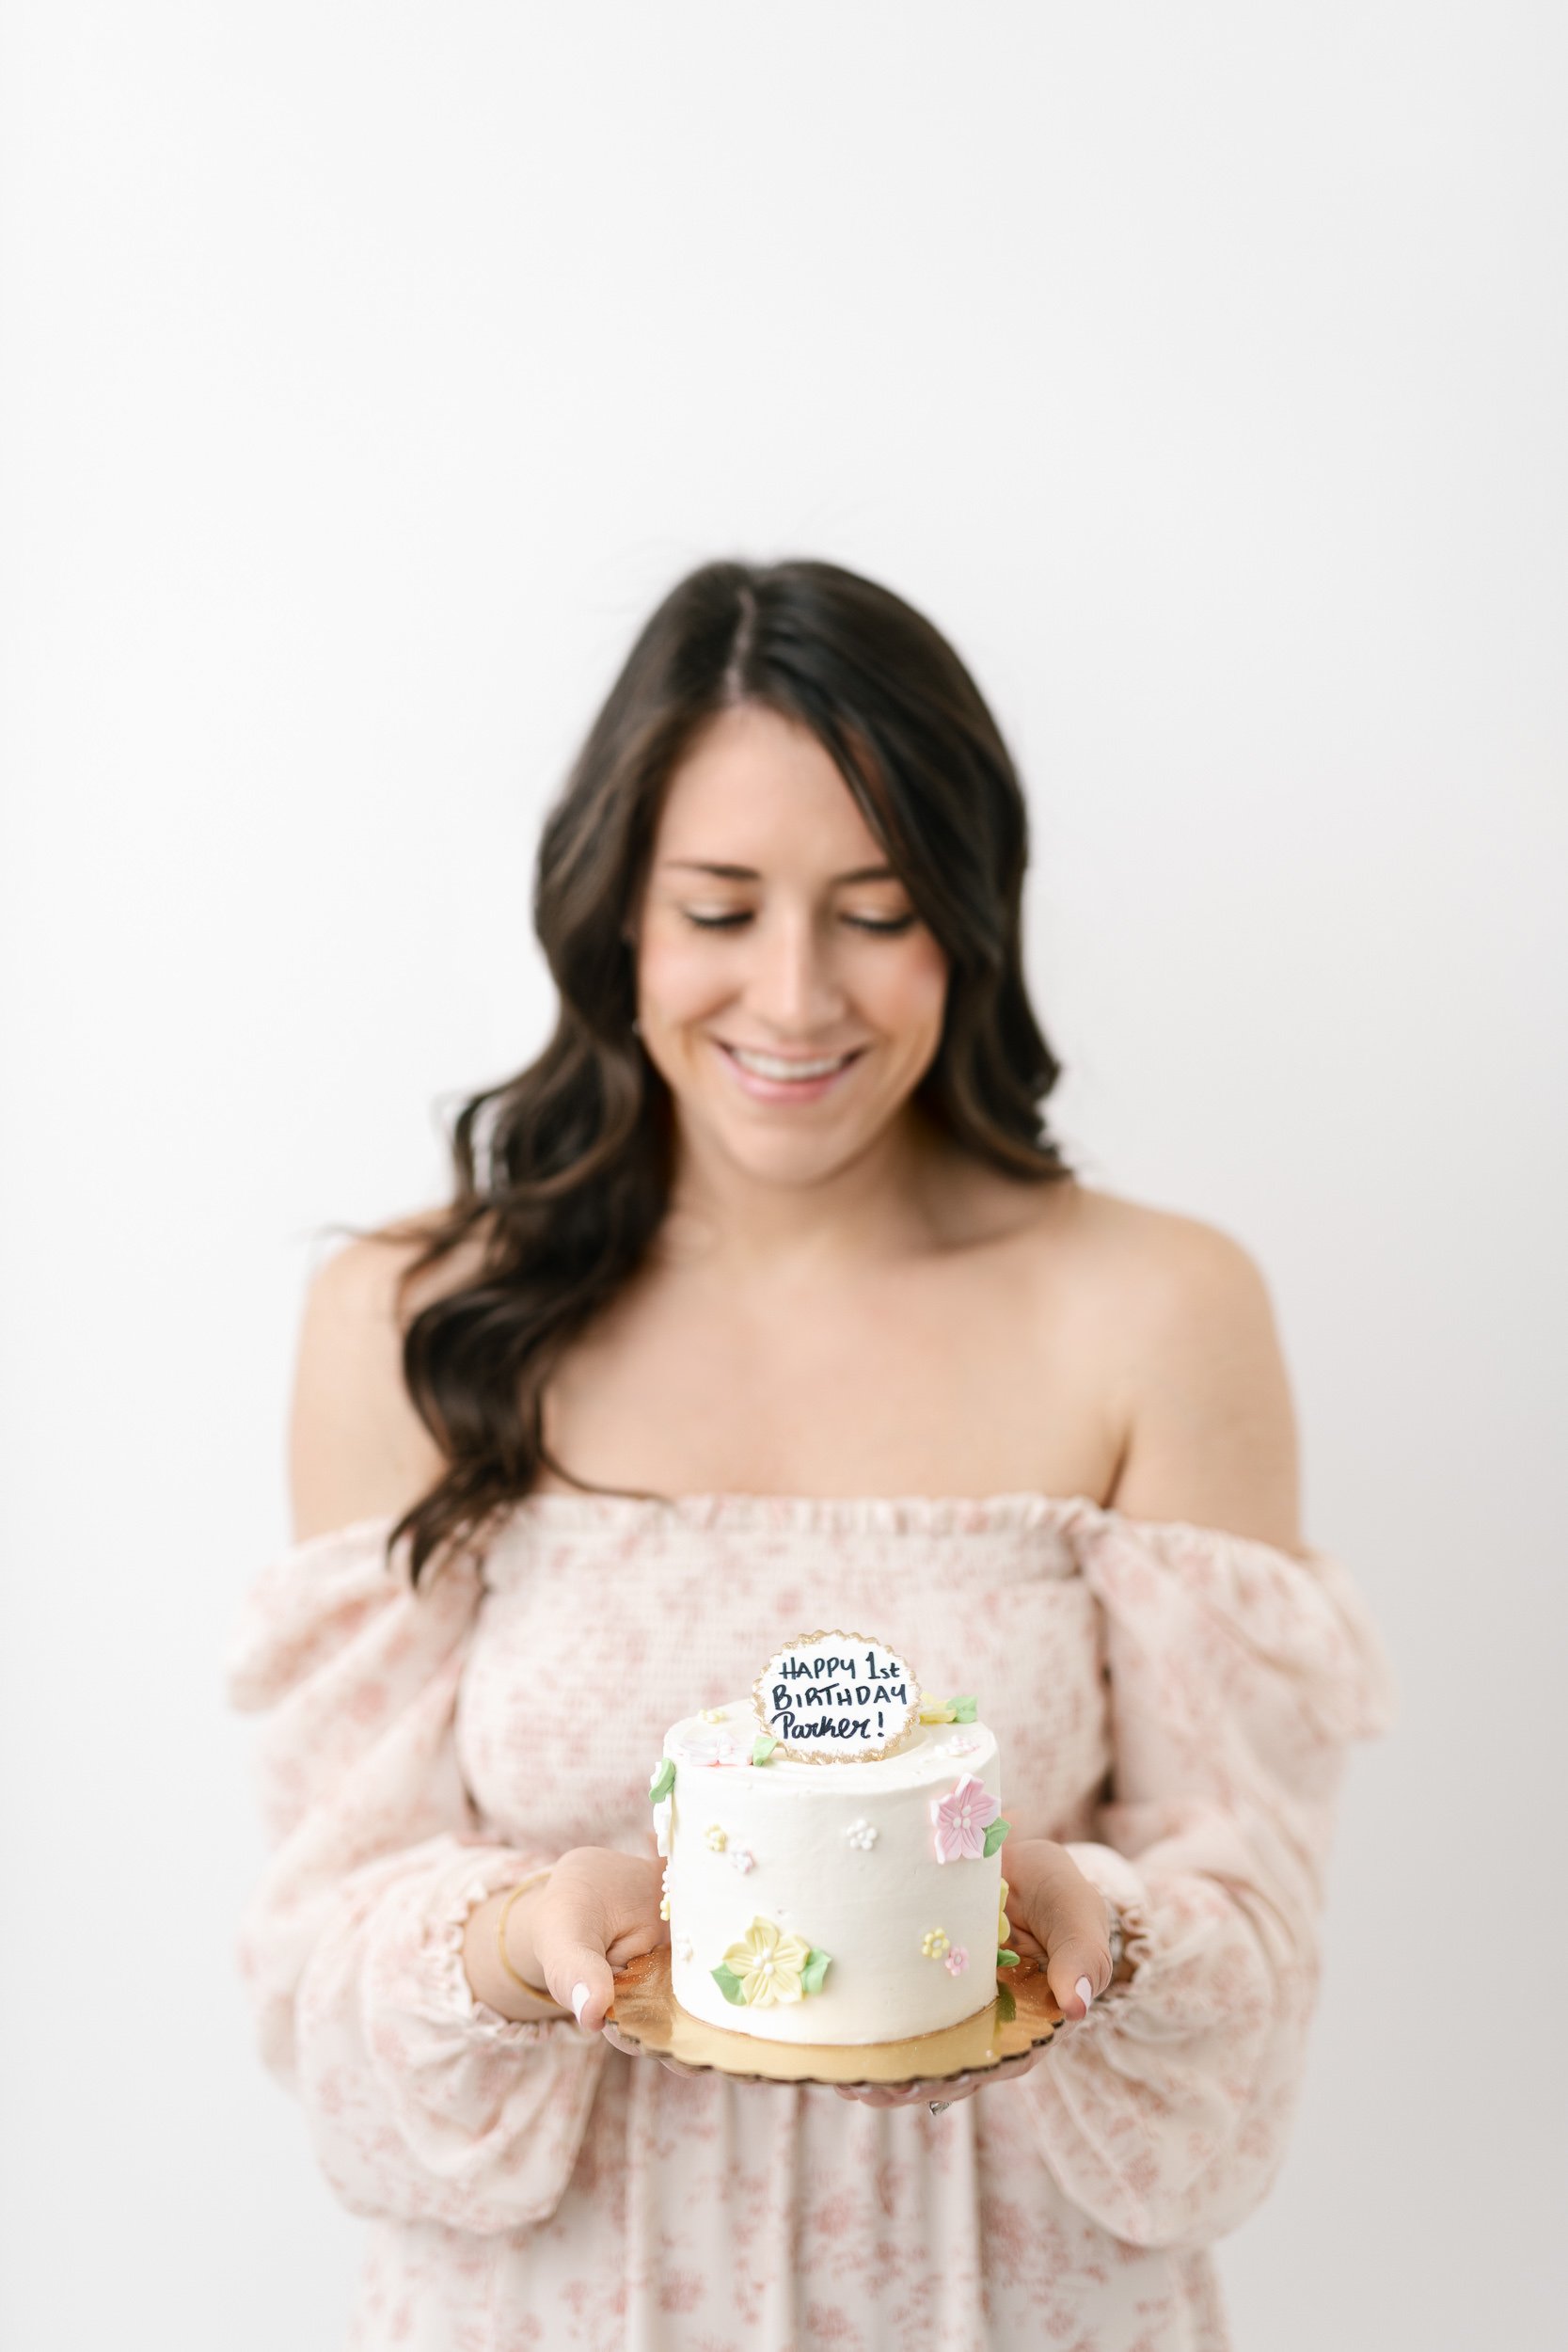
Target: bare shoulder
(1156, 1255)
(1197, 1365)
(357, 1449)
(1124, 1257)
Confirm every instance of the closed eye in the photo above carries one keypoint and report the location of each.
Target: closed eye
(856, 922)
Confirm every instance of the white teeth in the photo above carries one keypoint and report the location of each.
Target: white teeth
(766, 1067)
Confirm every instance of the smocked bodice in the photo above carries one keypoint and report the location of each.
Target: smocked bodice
(604, 1618)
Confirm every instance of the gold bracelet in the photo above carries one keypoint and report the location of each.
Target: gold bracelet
(539, 1992)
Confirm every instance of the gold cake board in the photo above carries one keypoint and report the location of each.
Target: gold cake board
(646, 2013)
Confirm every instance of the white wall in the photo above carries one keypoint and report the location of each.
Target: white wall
(370, 371)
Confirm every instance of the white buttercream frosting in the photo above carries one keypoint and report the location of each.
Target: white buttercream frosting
(871, 1903)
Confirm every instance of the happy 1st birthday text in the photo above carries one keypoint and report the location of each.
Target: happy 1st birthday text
(816, 1683)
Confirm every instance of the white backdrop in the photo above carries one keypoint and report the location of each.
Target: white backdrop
(371, 372)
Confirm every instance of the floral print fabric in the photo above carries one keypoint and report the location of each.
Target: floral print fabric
(1175, 1703)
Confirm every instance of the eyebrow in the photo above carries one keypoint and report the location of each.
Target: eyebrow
(749, 873)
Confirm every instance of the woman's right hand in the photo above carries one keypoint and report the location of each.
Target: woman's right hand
(596, 1910)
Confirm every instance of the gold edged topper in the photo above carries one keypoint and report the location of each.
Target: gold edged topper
(836, 1697)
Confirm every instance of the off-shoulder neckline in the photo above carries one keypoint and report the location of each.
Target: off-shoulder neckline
(910, 1514)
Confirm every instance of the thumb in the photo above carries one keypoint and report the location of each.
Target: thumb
(1078, 1953)
(579, 1977)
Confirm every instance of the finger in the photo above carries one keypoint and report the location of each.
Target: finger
(947, 2088)
(579, 1977)
(1078, 1953)
(967, 2086)
(909, 2094)
(633, 1942)
(618, 2040)
(942, 2095)
(1008, 2067)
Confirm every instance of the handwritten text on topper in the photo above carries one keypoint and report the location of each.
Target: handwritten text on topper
(837, 1695)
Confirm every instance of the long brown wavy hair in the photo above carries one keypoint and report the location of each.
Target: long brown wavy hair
(563, 1173)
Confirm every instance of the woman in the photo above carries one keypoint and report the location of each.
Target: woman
(765, 1300)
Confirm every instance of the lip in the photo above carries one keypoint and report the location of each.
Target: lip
(825, 1053)
(785, 1089)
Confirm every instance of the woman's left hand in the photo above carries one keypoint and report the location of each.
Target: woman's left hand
(1058, 1917)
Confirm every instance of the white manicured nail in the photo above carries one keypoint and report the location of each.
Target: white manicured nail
(1084, 1991)
(579, 2001)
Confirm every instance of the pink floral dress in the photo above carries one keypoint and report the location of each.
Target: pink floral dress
(1174, 1703)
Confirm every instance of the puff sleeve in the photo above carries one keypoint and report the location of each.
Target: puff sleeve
(422, 2101)
(1239, 1675)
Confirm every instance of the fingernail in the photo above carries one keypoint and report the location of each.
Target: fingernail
(1084, 1991)
(579, 2001)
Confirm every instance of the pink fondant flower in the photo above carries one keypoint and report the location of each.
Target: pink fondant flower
(962, 1818)
(956, 1960)
(718, 1749)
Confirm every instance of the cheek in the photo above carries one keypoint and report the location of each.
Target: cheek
(912, 990)
(674, 976)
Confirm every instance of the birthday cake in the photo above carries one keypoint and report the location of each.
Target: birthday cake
(833, 1852)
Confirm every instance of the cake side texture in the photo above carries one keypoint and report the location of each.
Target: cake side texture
(846, 1903)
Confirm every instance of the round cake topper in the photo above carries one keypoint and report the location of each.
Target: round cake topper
(837, 1699)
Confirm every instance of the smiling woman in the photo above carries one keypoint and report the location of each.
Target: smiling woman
(793, 836)
(775, 1224)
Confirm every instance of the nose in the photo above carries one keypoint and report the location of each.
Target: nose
(791, 986)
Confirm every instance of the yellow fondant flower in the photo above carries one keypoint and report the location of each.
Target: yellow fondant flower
(934, 1942)
(713, 1715)
(1002, 1926)
(935, 1710)
(769, 1964)
(715, 1838)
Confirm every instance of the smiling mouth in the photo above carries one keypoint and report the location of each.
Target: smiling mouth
(782, 1068)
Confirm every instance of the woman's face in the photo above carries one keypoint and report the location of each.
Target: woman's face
(772, 926)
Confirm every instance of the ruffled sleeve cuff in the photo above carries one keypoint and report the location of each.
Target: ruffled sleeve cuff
(483, 1872)
(1122, 1885)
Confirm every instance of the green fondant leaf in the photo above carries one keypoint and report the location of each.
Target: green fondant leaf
(963, 1708)
(1005, 1959)
(1007, 2007)
(815, 1970)
(662, 1781)
(729, 1985)
(994, 1835)
(763, 1747)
